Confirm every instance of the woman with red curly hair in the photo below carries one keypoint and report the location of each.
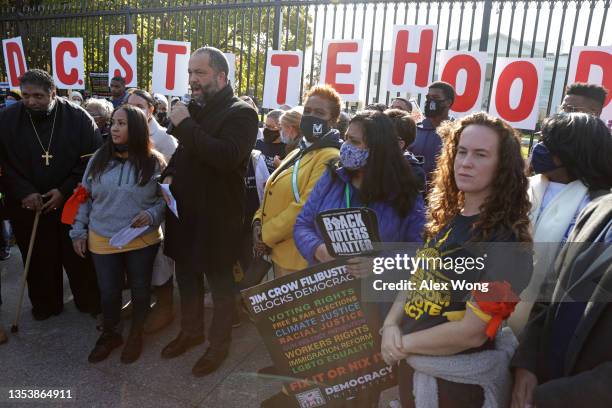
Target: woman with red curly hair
(479, 200)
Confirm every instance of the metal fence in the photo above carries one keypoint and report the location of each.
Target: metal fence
(248, 29)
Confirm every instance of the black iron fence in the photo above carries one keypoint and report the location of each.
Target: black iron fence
(248, 28)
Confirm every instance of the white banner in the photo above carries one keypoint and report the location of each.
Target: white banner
(341, 67)
(283, 75)
(14, 60)
(67, 62)
(122, 60)
(516, 91)
(170, 62)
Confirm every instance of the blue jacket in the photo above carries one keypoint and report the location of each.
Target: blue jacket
(416, 163)
(329, 194)
(428, 145)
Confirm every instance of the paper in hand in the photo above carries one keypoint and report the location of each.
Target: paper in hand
(126, 235)
(166, 189)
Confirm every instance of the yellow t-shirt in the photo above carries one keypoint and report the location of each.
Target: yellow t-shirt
(100, 245)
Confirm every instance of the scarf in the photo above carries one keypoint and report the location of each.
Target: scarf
(488, 368)
(549, 227)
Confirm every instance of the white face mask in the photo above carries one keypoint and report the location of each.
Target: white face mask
(285, 138)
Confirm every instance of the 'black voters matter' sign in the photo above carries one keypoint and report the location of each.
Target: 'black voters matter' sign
(348, 231)
(320, 335)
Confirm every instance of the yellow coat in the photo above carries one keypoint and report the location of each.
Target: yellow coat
(278, 211)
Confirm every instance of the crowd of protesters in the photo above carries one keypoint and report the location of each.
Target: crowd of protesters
(146, 190)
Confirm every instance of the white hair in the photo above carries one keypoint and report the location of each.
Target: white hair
(104, 107)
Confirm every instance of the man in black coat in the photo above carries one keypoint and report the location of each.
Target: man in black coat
(564, 358)
(44, 149)
(216, 134)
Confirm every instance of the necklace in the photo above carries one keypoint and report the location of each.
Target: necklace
(45, 156)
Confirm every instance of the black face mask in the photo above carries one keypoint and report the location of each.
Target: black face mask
(313, 128)
(433, 108)
(120, 148)
(269, 135)
(161, 116)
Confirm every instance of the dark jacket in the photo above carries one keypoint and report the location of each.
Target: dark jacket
(416, 163)
(585, 275)
(208, 170)
(75, 138)
(427, 145)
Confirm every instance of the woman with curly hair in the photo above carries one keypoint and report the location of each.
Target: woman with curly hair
(479, 199)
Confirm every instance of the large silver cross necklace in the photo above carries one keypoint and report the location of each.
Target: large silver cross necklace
(45, 156)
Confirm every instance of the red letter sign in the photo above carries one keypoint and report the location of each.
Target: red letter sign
(412, 58)
(341, 67)
(593, 65)
(170, 61)
(282, 81)
(464, 70)
(122, 58)
(14, 60)
(516, 90)
(68, 65)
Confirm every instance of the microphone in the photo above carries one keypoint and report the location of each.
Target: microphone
(185, 100)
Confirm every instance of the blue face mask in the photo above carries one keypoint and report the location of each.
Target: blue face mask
(542, 159)
(352, 157)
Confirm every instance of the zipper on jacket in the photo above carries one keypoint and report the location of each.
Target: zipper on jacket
(121, 174)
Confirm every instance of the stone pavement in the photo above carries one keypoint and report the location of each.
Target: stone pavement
(53, 355)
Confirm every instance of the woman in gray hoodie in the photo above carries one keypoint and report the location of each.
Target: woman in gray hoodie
(123, 196)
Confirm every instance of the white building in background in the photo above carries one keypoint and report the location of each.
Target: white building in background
(380, 69)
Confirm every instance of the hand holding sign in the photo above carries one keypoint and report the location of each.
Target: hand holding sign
(360, 267)
(322, 255)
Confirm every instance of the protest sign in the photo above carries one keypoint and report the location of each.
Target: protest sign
(465, 71)
(99, 84)
(593, 65)
(412, 55)
(14, 60)
(122, 60)
(516, 91)
(283, 68)
(170, 61)
(320, 335)
(349, 231)
(67, 62)
(341, 67)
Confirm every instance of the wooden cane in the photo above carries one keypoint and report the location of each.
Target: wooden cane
(15, 326)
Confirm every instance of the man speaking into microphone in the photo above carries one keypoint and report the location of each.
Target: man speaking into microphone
(216, 133)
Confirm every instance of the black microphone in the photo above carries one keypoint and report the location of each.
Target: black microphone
(185, 99)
